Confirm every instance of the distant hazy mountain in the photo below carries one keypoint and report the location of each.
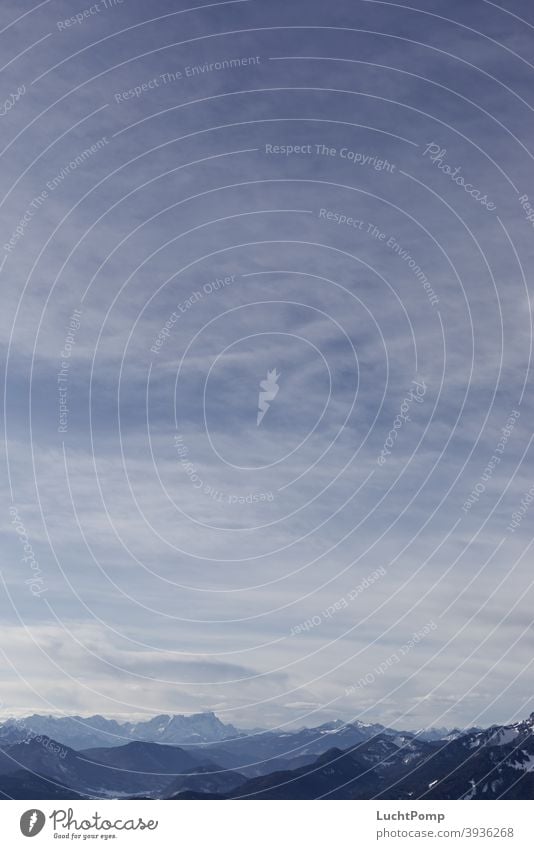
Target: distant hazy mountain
(177, 729)
(74, 731)
(13, 731)
(256, 752)
(83, 733)
(442, 733)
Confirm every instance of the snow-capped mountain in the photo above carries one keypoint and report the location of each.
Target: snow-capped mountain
(430, 734)
(177, 729)
(336, 760)
(88, 732)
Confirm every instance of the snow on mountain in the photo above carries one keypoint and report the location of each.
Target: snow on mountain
(88, 732)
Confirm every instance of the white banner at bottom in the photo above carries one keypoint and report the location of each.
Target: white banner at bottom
(267, 824)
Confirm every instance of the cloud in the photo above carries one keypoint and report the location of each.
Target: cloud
(179, 542)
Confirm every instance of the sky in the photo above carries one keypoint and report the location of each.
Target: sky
(322, 213)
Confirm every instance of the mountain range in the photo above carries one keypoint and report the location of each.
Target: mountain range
(72, 757)
(80, 732)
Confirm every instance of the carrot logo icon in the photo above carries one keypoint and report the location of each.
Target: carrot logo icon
(268, 392)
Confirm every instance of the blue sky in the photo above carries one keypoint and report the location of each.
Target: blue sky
(339, 193)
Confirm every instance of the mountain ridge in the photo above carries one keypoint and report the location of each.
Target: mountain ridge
(336, 760)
